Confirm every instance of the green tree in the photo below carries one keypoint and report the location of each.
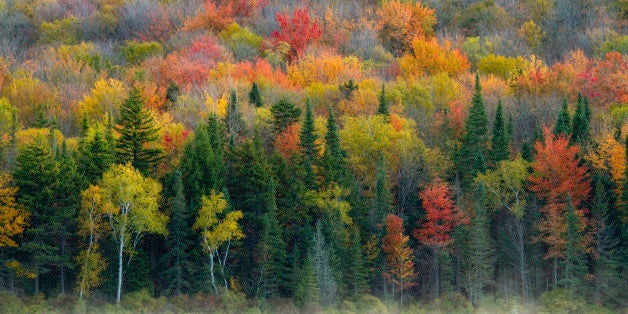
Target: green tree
(284, 114)
(382, 203)
(307, 290)
(172, 92)
(481, 252)
(95, 157)
(580, 127)
(138, 133)
(255, 97)
(575, 264)
(563, 124)
(235, 126)
(334, 162)
(383, 102)
(501, 138)
(309, 147)
(357, 275)
(474, 149)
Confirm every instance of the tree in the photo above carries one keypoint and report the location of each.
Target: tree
(307, 290)
(563, 124)
(499, 143)
(284, 113)
(309, 146)
(96, 156)
(138, 133)
(575, 265)
(400, 22)
(273, 252)
(298, 31)
(440, 218)
(557, 175)
(13, 219)
(481, 257)
(474, 150)
(327, 284)
(333, 156)
(399, 264)
(218, 227)
(383, 103)
(255, 96)
(358, 276)
(580, 127)
(233, 119)
(135, 199)
(382, 203)
(92, 226)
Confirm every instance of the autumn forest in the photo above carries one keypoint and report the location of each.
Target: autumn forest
(313, 156)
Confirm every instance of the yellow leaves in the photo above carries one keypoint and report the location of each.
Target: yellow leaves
(532, 34)
(326, 68)
(503, 67)
(93, 208)
(12, 217)
(217, 225)
(104, 99)
(20, 270)
(28, 136)
(610, 156)
(428, 57)
(331, 202)
(505, 185)
(219, 107)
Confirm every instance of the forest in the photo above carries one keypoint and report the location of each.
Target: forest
(313, 156)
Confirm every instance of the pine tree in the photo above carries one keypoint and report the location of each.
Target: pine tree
(357, 276)
(500, 140)
(383, 103)
(12, 151)
(172, 92)
(95, 157)
(473, 152)
(327, 284)
(274, 270)
(284, 113)
(41, 117)
(309, 147)
(575, 266)
(176, 260)
(307, 290)
(333, 156)
(255, 96)
(138, 133)
(563, 124)
(580, 127)
(481, 250)
(233, 119)
(382, 203)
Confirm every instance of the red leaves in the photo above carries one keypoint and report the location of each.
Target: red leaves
(400, 268)
(287, 142)
(298, 31)
(605, 81)
(440, 215)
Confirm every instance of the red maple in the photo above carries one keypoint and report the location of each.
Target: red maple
(298, 31)
(441, 215)
(287, 142)
(400, 268)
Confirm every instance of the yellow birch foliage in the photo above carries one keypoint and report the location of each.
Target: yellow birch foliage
(105, 97)
(610, 156)
(428, 57)
(217, 224)
(12, 217)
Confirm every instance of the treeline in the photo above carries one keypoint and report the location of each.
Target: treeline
(239, 214)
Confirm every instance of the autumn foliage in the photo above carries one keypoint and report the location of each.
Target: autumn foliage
(441, 215)
(298, 31)
(400, 267)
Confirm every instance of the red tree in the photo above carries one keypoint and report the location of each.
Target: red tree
(298, 31)
(399, 265)
(558, 175)
(287, 142)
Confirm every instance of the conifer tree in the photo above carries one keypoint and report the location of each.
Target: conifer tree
(172, 92)
(500, 140)
(383, 103)
(580, 126)
(138, 133)
(284, 113)
(255, 96)
(481, 250)
(96, 156)
(474, 149)
(382, 203)
(233, 119)
(309, 147)
(575, 266)
(307, 290)
(563, 124)
(333, 156)
(357, 276)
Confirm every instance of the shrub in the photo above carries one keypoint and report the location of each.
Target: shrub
(135, 52)
(452, 302)
(562, 300)
(66, 31)
(370, 304)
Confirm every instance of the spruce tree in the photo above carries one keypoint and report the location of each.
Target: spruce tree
(274, 270)
(575, 266)
(138, 133)
(308, 145)
(307, 290)
(383, 103)
(255, 96)
(172, 92)
(580, 125)
(333, 155)
(382, 203)
(357, 275)
(481, 252)
(284, 114)
(95, 158)
(234, 123)
(500, 140)
(563, 124)
(474, 149)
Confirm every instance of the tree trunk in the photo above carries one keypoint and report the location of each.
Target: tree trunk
(555, 283)
(120, 250)
(436, 274)
(37, 284)
(211, 271)
(63, 262)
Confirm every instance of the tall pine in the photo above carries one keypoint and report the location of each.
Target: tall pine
(308, 145)
(563, 123)
(501, 138)
(255, 96)
(284, 113)
(474, 149)
(575, 263)
(580, 126)
(481, 252)
(333, 155)
(138, 133)
(383, 103)
(234, 123)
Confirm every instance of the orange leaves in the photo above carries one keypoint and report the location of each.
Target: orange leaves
(400, 267)
(212, 17)
(287, 142)
(428, 57)
(606, 80)
(12, 218)
(401, 22)
(441, 215)
(326, 68)
(298, 31)
(260, 71)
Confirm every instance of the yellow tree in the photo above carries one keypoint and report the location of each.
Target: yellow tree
(135, 211)
(12, 217)
(92, 225)
(218, 227)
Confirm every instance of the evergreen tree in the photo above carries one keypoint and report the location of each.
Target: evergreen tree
(333, 155)
(563, 124)
(383, 103)
(500, 140)
(138, 133)
(325, 278)
(580, 127)
(473, 152)
(172, 92)
(274, 270)
(481, 252)
(255, 96)
(96, 156)
(527, 151)
(382, 203)
(575, 266)
(309, 147)
(307, 290)
(357, 275)
(234, 123)
(284, 114)
(177, 264)
(41, 117)
(12, 150)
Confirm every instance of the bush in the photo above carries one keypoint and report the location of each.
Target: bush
(370, 304)
(562, 301)
(348, 307)
(453, 302)
(66, 31)
(135, 52)
(142, 302)
(11, 303)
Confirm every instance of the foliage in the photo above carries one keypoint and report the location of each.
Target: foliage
(13, 219)
(428, 57)
(298, 31)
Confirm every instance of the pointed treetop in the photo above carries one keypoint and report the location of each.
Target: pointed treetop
(383, 103)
